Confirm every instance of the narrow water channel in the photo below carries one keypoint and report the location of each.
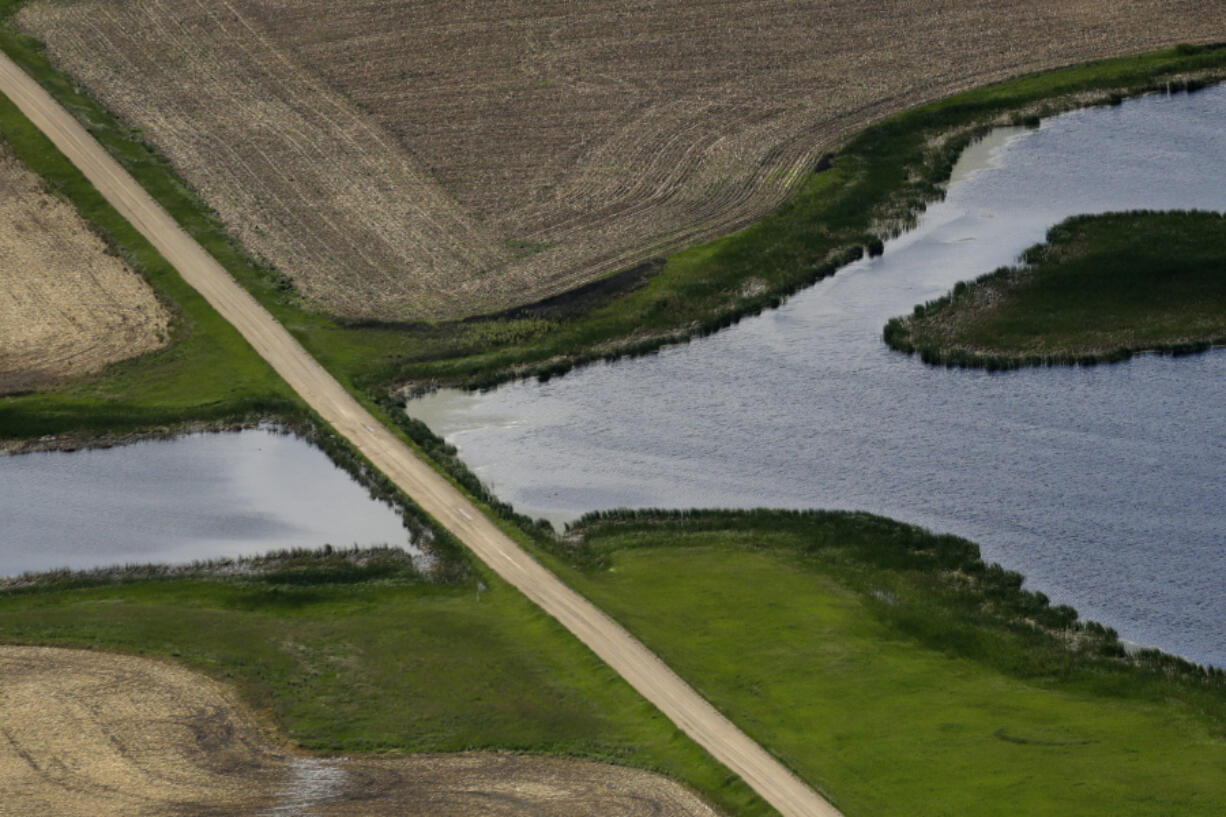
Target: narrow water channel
(1104, 486)
(203, 496)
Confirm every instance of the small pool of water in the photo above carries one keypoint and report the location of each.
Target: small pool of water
(202, 496)
(1104, 486)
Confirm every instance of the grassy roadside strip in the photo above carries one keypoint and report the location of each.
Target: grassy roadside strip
(889, 665)
(877, 182)
(1100, 289)
(347, 654)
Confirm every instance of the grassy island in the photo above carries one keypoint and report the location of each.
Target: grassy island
(1101, 289)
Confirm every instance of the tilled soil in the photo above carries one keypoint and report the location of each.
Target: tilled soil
(88, 733)
(67, 307)
(405, 159)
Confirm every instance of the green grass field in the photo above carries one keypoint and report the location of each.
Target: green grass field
(1102, 288)
(391, 665)
(894, 672)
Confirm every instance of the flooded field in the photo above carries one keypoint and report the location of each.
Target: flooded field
(1102, 485)
(199, 497)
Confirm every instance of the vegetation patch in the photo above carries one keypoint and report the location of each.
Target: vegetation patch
(1101, 289)
(888, 665)
(295, 567)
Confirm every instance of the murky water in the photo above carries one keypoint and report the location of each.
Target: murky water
(1105, 486)
(198, 497)
(310, 782)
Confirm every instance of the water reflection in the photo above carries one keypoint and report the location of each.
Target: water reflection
(197, 497)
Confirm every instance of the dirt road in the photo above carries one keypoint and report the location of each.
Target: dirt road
(642, 669)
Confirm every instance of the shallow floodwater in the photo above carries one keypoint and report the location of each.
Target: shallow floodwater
(1103, 485)
(172, 501)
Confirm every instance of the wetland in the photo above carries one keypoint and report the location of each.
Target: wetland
(1100, 485)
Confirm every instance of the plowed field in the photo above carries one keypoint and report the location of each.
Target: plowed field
(85, 733)
(66, 307)
(436, 159)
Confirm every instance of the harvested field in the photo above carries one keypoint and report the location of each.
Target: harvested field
(67, 307)
(405, 160)
(84, 733)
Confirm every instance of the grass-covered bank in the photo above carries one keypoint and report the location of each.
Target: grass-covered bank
(892, 668)
(1101, 289)
(356, 653)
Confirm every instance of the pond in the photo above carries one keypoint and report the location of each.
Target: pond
(1104, 485)
(202, 496)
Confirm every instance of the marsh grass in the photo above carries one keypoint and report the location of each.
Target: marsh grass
(1101, 289)
(295, 567)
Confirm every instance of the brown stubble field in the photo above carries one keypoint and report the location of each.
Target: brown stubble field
(67, 307)
(406, 160)
(88, 733)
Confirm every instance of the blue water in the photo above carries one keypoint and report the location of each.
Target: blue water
(1104, 485)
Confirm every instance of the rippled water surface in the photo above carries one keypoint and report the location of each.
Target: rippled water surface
(197, 497)
(1103, 485)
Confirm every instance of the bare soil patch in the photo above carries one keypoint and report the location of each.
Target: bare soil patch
(67, 307)
(84, 733)
(436, 159)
